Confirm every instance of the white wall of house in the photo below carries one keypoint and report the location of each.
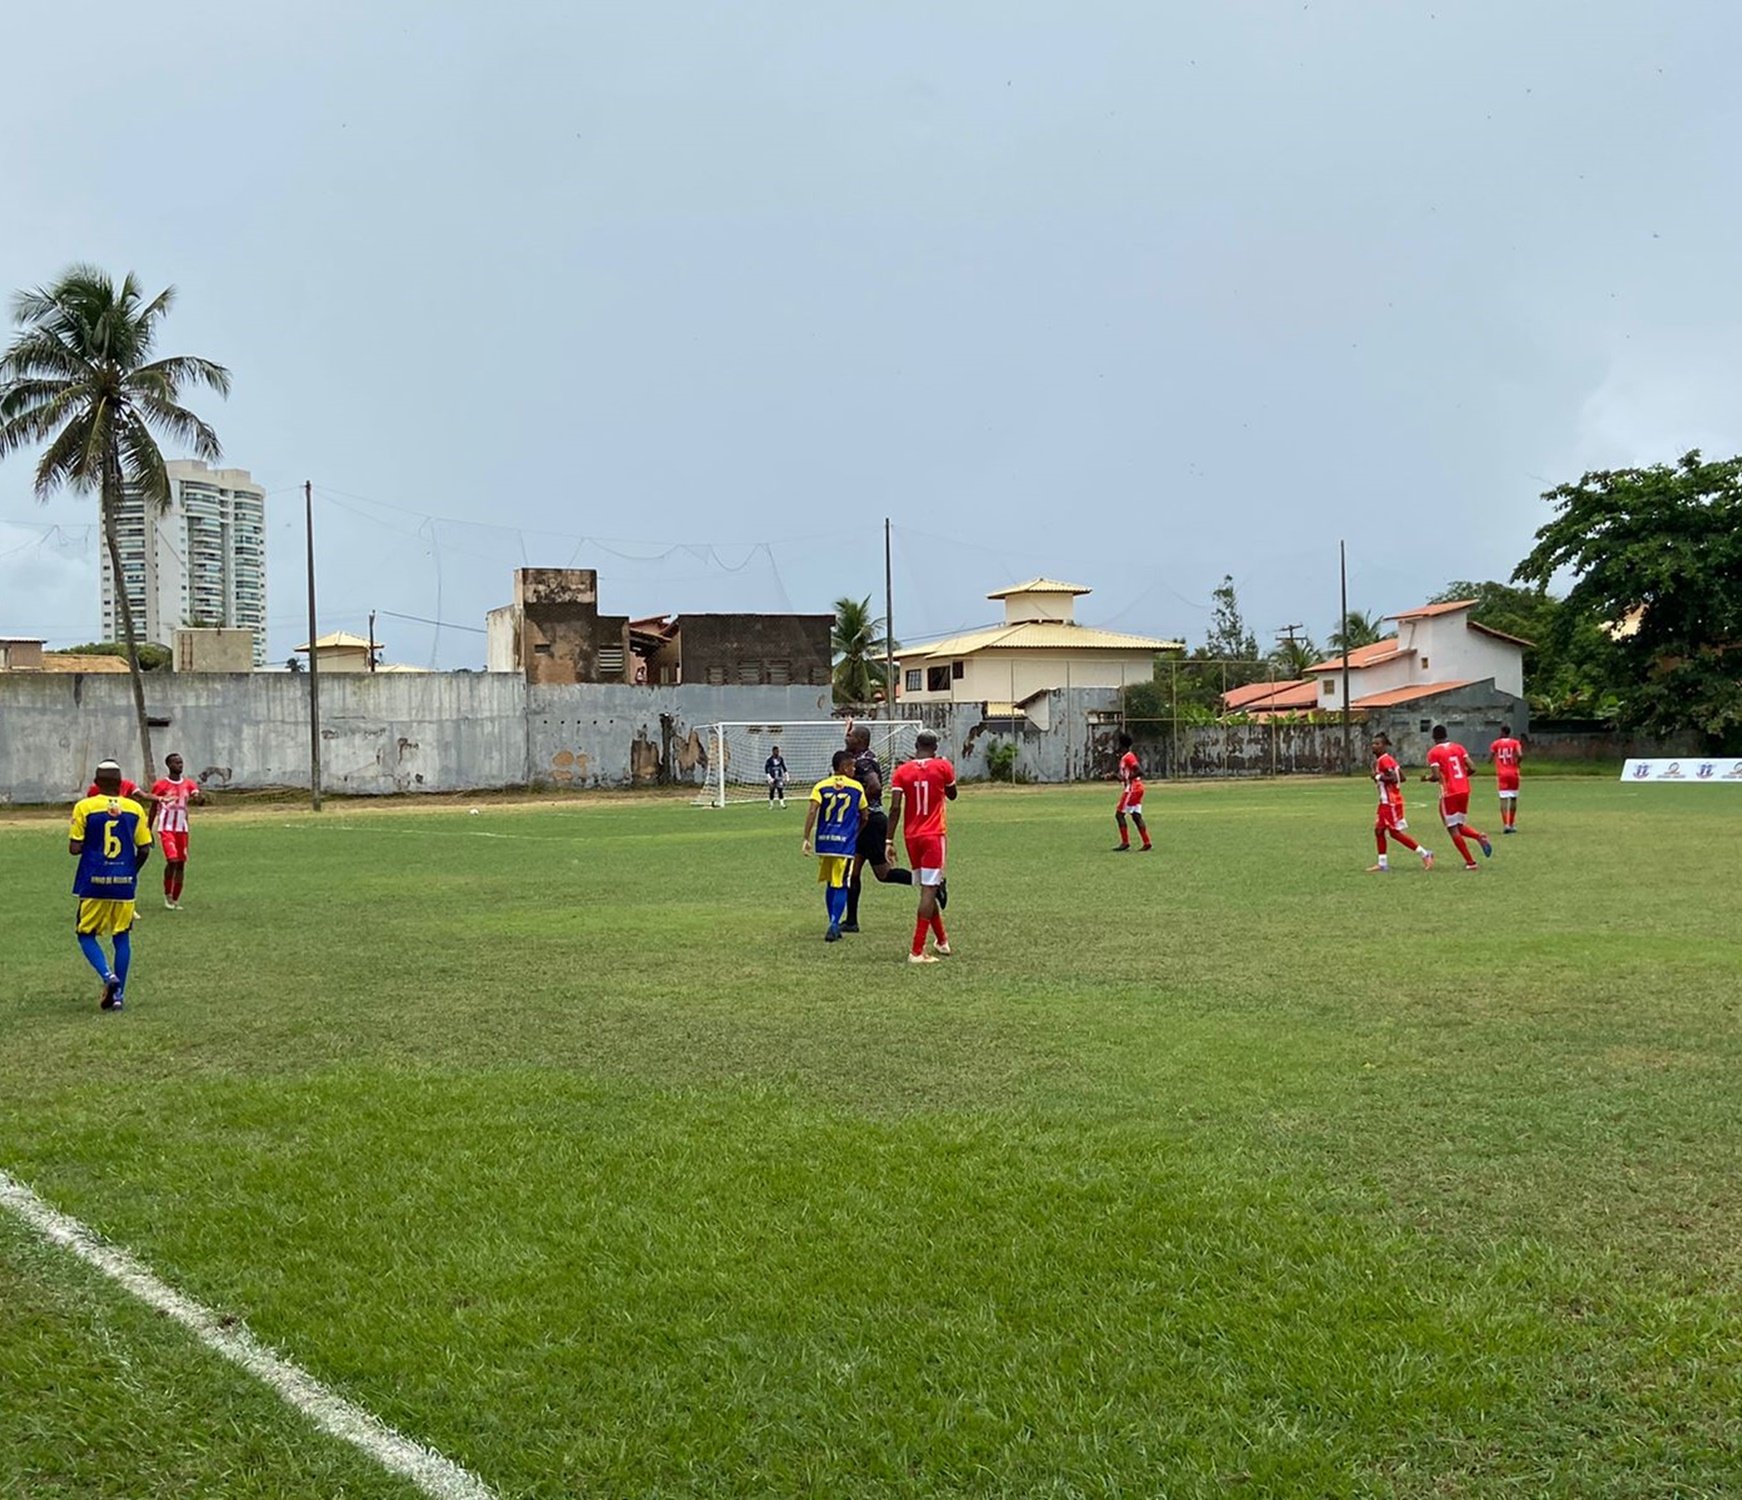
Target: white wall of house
(1012, 675)
(1400, 671)
(1456, 653)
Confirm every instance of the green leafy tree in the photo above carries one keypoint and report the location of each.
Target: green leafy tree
(1357, 630)
(1228, 639)
(152, 657)
(1229, 656)
(79, 377)
(859, 643)
(1657, 554)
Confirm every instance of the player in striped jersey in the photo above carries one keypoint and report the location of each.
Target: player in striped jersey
(170, 797)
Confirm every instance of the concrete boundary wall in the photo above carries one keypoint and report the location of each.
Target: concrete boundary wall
(380, 734)
(469, 731)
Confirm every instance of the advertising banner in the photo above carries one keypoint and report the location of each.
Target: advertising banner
(1683, 770)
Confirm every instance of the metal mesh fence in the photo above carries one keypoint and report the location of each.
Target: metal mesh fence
(1184, 723)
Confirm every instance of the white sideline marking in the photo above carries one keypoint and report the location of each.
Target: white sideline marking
(436, 1476)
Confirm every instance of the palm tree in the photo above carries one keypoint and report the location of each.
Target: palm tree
(79, 377)
(1294, 654)
(859, 644)
(1356, 631)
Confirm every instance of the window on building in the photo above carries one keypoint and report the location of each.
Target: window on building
(1424, 664)
(779, 673)
(958, 670)
(1330, 688)
(937, 679)
(915, 681)
(750, 673)
(611, 661)
(717, 675)
(541, 648)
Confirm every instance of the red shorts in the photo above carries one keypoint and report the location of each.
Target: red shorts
(1508, 783)
(1390, 817)
(174, 845)
(1131, 797)
(926, 852)
(1454, 805)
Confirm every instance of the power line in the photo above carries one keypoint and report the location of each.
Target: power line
(393, 614)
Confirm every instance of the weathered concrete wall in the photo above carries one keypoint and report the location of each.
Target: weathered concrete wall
(394, 733)
(613, 734)
(433, 732)
(464, 731)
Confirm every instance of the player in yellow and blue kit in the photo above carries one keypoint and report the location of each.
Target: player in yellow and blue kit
(112, 840)
(836, 814)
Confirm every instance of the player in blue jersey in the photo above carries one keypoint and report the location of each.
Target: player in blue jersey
(111, 839)
(835, 815)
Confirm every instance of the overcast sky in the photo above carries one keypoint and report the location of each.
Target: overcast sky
(1134, 294)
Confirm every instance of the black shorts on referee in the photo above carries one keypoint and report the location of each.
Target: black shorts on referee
(874, 836)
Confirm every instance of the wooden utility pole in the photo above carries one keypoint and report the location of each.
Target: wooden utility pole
(314, 655)
(1343, 628)
(888, 628)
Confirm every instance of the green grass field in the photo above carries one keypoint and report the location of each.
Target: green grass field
(558, 1139)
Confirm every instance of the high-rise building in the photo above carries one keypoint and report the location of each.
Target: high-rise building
(201, 560)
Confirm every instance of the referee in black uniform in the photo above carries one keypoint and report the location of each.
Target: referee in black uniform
(873, 848)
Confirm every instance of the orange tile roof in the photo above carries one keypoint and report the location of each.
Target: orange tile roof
(1449, 607)
(1300, 692)
(1499, 635)
(1407, 694)
(1364, 656)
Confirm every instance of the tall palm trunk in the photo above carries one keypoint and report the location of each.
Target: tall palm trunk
(112, 493)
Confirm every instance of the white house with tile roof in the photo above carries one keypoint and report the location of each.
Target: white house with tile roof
(1437, 648)
(1040, 647)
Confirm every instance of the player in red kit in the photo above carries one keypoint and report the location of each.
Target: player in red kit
(1508, 756)
(1389, 822)
(920, 787)
(170, 797)
(1449, 764)
(1130, 799)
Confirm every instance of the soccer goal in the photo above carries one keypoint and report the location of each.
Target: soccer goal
(737, 754)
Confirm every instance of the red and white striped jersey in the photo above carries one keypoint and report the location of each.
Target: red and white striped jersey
(172, 804)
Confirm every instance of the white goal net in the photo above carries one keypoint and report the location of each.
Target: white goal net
(738, 755)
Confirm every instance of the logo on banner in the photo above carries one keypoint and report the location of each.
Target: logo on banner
(1734, 773)
(1673, 771)
(1641, 770)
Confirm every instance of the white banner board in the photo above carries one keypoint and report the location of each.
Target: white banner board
(1683, 770)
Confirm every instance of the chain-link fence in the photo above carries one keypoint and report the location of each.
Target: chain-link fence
(1229, 717)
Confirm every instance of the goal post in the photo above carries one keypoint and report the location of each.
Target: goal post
(737, 754)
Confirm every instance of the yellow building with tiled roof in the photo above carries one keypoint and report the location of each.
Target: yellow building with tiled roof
(1038, 648)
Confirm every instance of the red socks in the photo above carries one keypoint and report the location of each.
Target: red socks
(919, 931)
